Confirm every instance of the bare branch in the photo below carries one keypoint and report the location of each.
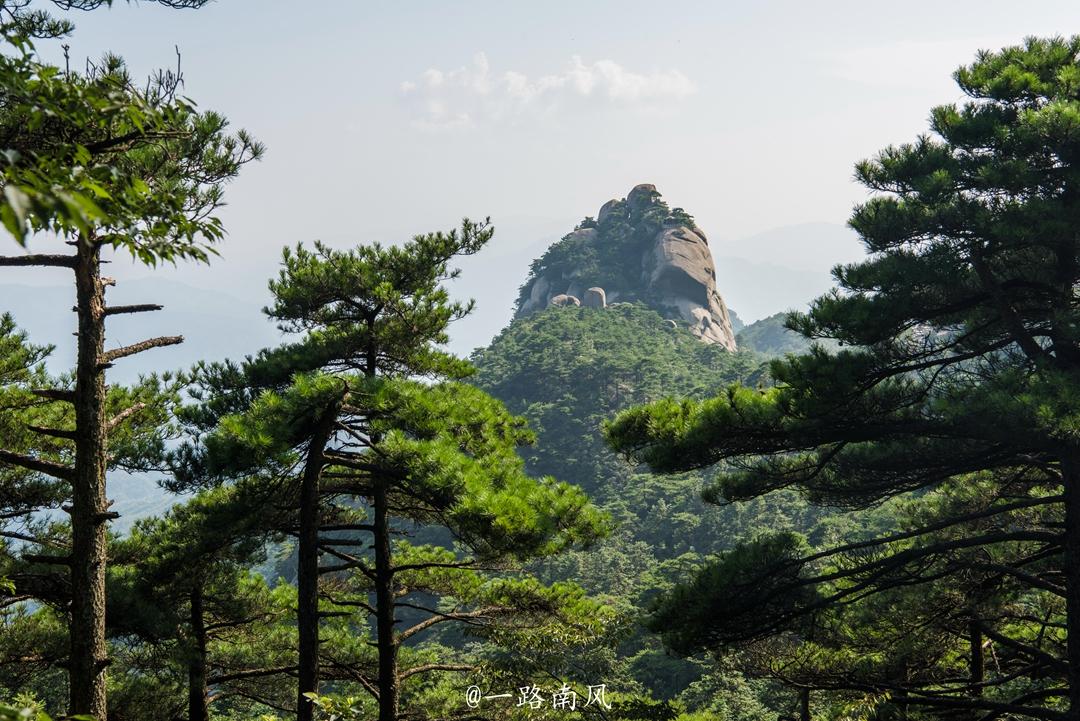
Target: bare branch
(55, 394)
(128, 350)
(141, 308)
(435, 667)
(52, 432)
(123, 416)
(53, 560)
(38, 465)
(440, 617)
(56, 261)
(250, 673)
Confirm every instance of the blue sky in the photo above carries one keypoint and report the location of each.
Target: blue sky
(383, 120)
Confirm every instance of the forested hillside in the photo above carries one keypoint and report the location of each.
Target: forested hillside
(568, 370)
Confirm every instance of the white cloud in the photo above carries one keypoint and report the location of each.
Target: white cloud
(474, 94)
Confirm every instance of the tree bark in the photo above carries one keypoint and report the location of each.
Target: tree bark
(307, 572)
(89, 505)
(384, 609)
(804, 704)
(977, 661)
(1070, 472)
(198, 710)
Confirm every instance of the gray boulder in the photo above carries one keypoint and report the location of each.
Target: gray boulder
(641, 195)
(595, 298)
(563, 300)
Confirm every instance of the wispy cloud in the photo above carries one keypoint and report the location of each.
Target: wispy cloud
(475, 94)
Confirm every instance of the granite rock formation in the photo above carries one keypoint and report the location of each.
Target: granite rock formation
(636, 250)
(595, 298)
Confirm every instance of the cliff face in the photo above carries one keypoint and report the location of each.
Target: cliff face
(636, 249)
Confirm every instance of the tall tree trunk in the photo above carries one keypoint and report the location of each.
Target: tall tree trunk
(977, 662)
(1070, 473)
(197, 707)
(804, 704)
(307, 572)
(89, 506)
(384, 609)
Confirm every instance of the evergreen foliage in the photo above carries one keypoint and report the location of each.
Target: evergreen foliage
(370, 456)
(956, 383)
(103, 162)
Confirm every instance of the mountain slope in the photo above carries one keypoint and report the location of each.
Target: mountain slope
(568, 369)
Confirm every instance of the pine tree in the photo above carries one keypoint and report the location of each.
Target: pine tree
(183, 581)
(961, 364)
(105, 164)
(24, 492)
(339, 409)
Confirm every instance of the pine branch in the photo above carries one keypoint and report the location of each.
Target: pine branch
(52, 432)
(51, 560)
(347, 527)
(1036, 654)
(123, 416)
(129, 350)
(352, 604)
(350, 562)
(250, 673)
(55, 394)
(441, 617)
(38, 465)
(55, 261)
(352, 673)
(469, 565)
(434, 667)
(930, 528)
(142, 308)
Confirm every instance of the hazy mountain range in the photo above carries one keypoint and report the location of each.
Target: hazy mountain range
(758, 276)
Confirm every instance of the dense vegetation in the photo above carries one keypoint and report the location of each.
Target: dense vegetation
(567, 370)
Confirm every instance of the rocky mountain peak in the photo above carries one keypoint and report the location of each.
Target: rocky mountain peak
(636, 249)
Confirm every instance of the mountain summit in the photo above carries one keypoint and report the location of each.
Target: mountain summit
(636, 250)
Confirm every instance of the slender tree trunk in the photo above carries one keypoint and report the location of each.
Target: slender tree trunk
(197, 707)
(89, 506)
(977, 662)
(804, 704)
(1070, 472)
(307, 573)
(384, 610)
